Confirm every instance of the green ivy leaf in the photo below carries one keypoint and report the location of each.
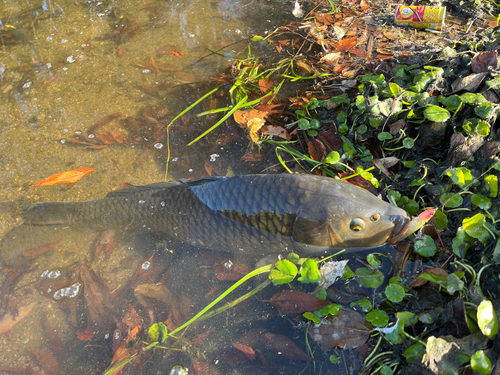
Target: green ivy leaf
(373, 261)
(414, 352)
(395, 293)
(329, 310)
(321, 294)
(492, 182)
(312, 317)
(452, 200)
(384, 136)
(436, 114)
(334, 359)
(369, 278)
(487, 319)
(407, 318)
(480, 362)
(348, 273)
(378, 318)
(425, 247)
(440, 220)
(304, 124)
(314, 124)
(484, 110)
(451, 102)
(341, 99)
(158, 332)
(332, 157)
(283, 273)
(362, 129)
(470, 98)
(309, 272)
(461, 243)
(460, 176)
(365, 305)
(481, 201)
(408, 143)
(395, 89)
(386, 370)
(375, 122)
(474, 227)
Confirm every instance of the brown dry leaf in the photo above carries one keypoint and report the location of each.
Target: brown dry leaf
(242, 117)
(365, 5)
(317, 149)
(47, 361)
(254, 126)
(327, 19)
(273, 130)
(145, 292)
(265, 85)
(346, 44)
(348, 330)
(483, 60)
(9, 320)
(358, 52)
(251, 156)
(330, 57)
(339, 32)
(397, 126)
(296, 302)
(469, 83)
(283, 346)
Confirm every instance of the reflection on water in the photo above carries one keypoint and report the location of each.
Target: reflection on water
(93, 84)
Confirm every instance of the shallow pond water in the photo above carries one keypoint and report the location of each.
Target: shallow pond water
(93, 84)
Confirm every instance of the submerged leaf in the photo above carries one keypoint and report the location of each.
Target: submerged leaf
(283, 346)
(348, 330)
(296, 302)
(64, 177)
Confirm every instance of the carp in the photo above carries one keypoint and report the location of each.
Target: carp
(253, 215)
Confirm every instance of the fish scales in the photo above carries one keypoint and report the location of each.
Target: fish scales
(254, 214)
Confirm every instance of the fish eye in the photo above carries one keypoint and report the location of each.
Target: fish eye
(357, 225)
(375, 217)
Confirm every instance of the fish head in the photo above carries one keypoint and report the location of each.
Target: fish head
(350, 218)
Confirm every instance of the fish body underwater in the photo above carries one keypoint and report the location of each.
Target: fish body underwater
(252, 215)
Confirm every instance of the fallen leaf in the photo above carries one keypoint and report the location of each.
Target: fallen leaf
(283, 346)
(245, 349)
(273, 130)
(175, 53)
(251, 156)
(47, 361)
(51, 80)
(469, 83)
(265, 85)
(339, 32)
(39, 249)
(348, 330)
(64, 177)
(296, 302)
(365, 5)
(242, 117)
(317, 149)
(346, 44)
(9, 320)
(397, 126)
(84, 334)
(483, 60)
(326, 19)
(201, 338)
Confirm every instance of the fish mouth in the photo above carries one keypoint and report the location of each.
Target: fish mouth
(401, 225)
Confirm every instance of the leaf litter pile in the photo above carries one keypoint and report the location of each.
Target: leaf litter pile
(405, 113)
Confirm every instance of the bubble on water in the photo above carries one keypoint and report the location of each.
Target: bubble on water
(158, 145)
(145, 265)
(90, 136)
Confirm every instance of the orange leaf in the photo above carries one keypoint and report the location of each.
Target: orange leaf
(64, 177)
(175, 53)
(365, 5)
(248, 351)
(265, 85)
(346, 44)
(84, 335)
